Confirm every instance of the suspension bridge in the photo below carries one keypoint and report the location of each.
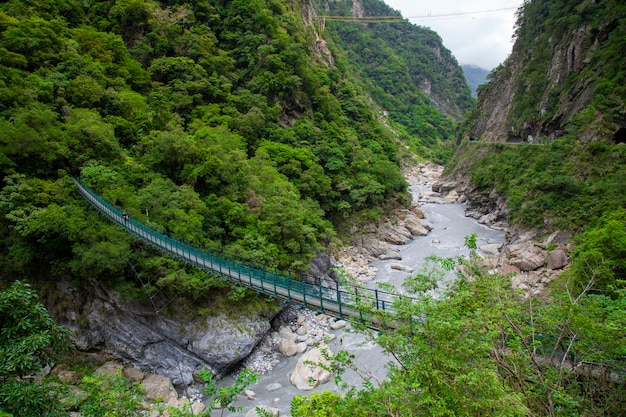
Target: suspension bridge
(338, 301)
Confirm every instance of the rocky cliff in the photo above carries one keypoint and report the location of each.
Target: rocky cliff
(558, 74)
(158, 341)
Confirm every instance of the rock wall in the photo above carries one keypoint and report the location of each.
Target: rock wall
(570, 53)
(159, 343)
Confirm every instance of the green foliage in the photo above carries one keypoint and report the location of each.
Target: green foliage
(564, 184)
(110, 395)
(395, 60)
(29, 340)
(194, 113)
(599, 259)
(590, 81)
(225, 396)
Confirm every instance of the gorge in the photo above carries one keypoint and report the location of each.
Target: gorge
(268, 133)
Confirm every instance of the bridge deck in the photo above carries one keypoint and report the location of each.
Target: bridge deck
(337, 301)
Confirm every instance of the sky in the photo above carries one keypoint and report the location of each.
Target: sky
(477, 33)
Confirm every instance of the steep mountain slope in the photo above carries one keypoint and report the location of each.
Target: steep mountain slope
(564, 75)
(562, 87)
(554, 351)
(405, 67)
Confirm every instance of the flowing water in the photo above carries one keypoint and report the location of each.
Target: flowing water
(446, 239)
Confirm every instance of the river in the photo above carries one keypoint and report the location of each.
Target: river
(446, 239)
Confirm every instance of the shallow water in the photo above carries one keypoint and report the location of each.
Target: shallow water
(446, 239)
(450, 227)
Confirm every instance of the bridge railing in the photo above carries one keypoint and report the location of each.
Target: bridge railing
(341, 301)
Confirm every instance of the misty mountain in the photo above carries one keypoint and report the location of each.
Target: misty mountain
(475, 76)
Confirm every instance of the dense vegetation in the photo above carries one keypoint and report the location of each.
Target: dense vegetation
(479, 350)
(218, 122)
(213, 121)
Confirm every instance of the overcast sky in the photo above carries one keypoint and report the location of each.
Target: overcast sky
(477, 33)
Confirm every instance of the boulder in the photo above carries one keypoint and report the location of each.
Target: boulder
(68, 377)
(339, 324)
(273, 387)
(371, 246)
(526, 256)
(396, 234)
(419, 213)
(307, 374)
(134, 374)
(287, 347)
(197, 408)
(444, 186)
(557, 259)
(110, 367)
(403, 268)
(285, 333)
(159, 387)
(451, 197)
(491, 249)
(416, 227)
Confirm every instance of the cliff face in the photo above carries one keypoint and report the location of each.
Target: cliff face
(165, 342)
(559, 73)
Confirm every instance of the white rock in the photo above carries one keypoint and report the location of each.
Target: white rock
(273, 387)
(339, 324)
(287, 347)
(197, 408)
(400, 267)
(491, 249)
(307, 374)
(251, 395)
(159, 387)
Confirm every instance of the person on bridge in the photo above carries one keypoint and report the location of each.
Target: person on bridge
(125, 215)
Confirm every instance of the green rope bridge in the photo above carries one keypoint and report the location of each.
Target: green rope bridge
(337, 301)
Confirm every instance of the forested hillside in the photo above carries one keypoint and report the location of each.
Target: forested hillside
(475, 76)
(407, 70)
(217, 122)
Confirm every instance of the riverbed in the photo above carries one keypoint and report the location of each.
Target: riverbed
(449, 228)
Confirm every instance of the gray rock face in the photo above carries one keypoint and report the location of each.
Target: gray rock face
(321, 270)
(165, 345)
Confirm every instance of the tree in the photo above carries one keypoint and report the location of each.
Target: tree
(29, 340)
(476, 348)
